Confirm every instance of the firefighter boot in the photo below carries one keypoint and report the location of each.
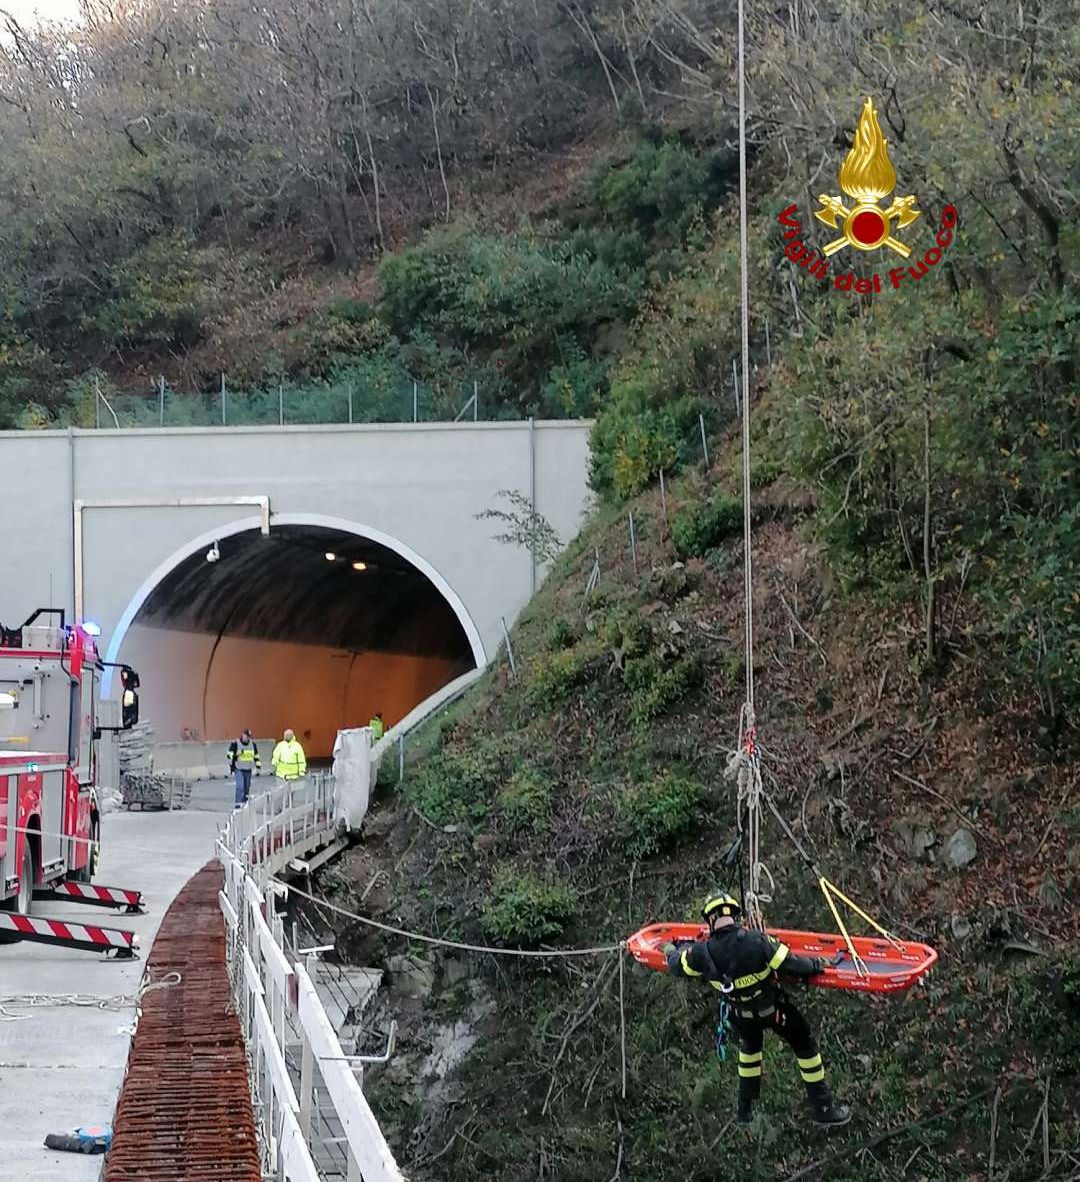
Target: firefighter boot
(824, 1111)
(744, 1113)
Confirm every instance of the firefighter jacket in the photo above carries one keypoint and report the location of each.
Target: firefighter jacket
(741, 965)
(289, 760)
(243, 755)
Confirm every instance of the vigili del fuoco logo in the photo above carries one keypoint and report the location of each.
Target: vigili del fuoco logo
(867, 177)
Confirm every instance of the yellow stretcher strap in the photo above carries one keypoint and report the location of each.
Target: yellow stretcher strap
(862, 914)
(856, 959)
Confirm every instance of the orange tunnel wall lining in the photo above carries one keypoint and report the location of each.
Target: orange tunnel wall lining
(270, 685)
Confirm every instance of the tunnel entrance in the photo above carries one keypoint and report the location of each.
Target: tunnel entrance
(309, 627)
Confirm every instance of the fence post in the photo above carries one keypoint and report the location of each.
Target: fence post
(350, 402)
(401, 757)
(663, 498)
(633, 540)
(475, 399)
(509, 647)
(704, 441)
(97, 403)
(224, 415)
(735, 385)
(594, 575)
(161, 400)
(414, 402)
(768, 346)
(281, 404)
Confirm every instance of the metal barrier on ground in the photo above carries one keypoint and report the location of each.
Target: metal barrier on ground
(314, 1120)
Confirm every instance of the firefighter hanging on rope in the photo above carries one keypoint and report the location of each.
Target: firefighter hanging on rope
(742, 964)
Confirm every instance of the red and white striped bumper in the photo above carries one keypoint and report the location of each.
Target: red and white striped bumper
(98, 896)
(89, 937)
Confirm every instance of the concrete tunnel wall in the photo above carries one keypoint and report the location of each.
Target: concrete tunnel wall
(416, 488)
(271, 685)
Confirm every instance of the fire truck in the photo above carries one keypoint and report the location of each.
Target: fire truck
(54, 731)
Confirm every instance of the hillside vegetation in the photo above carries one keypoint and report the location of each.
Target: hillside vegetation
(585, 797)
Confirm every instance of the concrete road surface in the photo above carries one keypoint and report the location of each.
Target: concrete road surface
(62, 1059)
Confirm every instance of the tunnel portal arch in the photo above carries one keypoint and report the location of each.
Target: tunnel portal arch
(183, 561)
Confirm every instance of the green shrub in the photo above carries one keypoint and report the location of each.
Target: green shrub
(161, 294)
(526, 798)
(626, 632)
(343, 330)
(524, 908)
(657, 812)
(458, 785)
(559, 635)
(696, 529)
(659, 189)
(554, 675)
(657, 682)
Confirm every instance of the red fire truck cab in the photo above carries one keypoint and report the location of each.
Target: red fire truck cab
(52, 725)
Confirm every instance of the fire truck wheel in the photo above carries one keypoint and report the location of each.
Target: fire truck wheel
(90, 869)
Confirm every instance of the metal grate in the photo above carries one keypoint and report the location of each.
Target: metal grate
(185, 1108)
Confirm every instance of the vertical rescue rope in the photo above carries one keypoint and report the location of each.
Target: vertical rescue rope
(745, 765)
(622, 1012)
(744, 307)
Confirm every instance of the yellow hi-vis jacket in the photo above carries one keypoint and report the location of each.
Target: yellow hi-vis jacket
(378, 728)
(289, 760)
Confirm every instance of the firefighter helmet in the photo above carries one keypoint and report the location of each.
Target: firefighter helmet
(720, 903)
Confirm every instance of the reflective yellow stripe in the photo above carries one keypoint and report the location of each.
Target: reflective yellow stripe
(778, 957)
(810, 1064)
(750, 1056)
(814, 1076)
(749, 1072)
(752, 978)
(686, 966)
(718, 986)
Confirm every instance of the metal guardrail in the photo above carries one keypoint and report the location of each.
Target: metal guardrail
(314, 1119)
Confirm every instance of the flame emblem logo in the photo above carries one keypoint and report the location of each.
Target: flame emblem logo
(867, 176)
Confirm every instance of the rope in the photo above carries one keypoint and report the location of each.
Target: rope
(744, 312)
(121, 1001)
(745, 764)
(60, 836)
(549, 954)
(622, 1020)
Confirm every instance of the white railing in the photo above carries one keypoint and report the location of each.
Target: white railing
(314, 1120)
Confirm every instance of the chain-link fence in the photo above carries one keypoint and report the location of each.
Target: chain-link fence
(337, 401)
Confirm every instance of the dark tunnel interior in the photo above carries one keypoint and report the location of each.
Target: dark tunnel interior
(309, 628)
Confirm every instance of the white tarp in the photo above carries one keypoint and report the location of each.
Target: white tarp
(352, 775)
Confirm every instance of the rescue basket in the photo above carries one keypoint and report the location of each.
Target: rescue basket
(886, 966)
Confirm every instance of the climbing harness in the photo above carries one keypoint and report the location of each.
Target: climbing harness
(873, 964)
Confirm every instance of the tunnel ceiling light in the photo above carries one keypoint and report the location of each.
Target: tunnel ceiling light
(359, 566)
(331, 556)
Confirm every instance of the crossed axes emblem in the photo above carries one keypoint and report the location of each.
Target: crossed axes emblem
(836, 214)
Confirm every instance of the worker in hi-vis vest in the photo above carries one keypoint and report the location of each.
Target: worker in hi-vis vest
(378, 727)
(288, 759)
(243, 757)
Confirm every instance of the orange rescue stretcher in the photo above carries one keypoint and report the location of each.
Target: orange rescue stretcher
(884, 966)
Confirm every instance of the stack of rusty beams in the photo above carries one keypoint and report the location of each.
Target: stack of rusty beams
(185, 1107)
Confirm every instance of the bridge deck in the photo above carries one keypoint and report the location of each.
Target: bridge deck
(62, 1065)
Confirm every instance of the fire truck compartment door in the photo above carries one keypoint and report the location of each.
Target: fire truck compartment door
(52, 820)
(8, 813)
